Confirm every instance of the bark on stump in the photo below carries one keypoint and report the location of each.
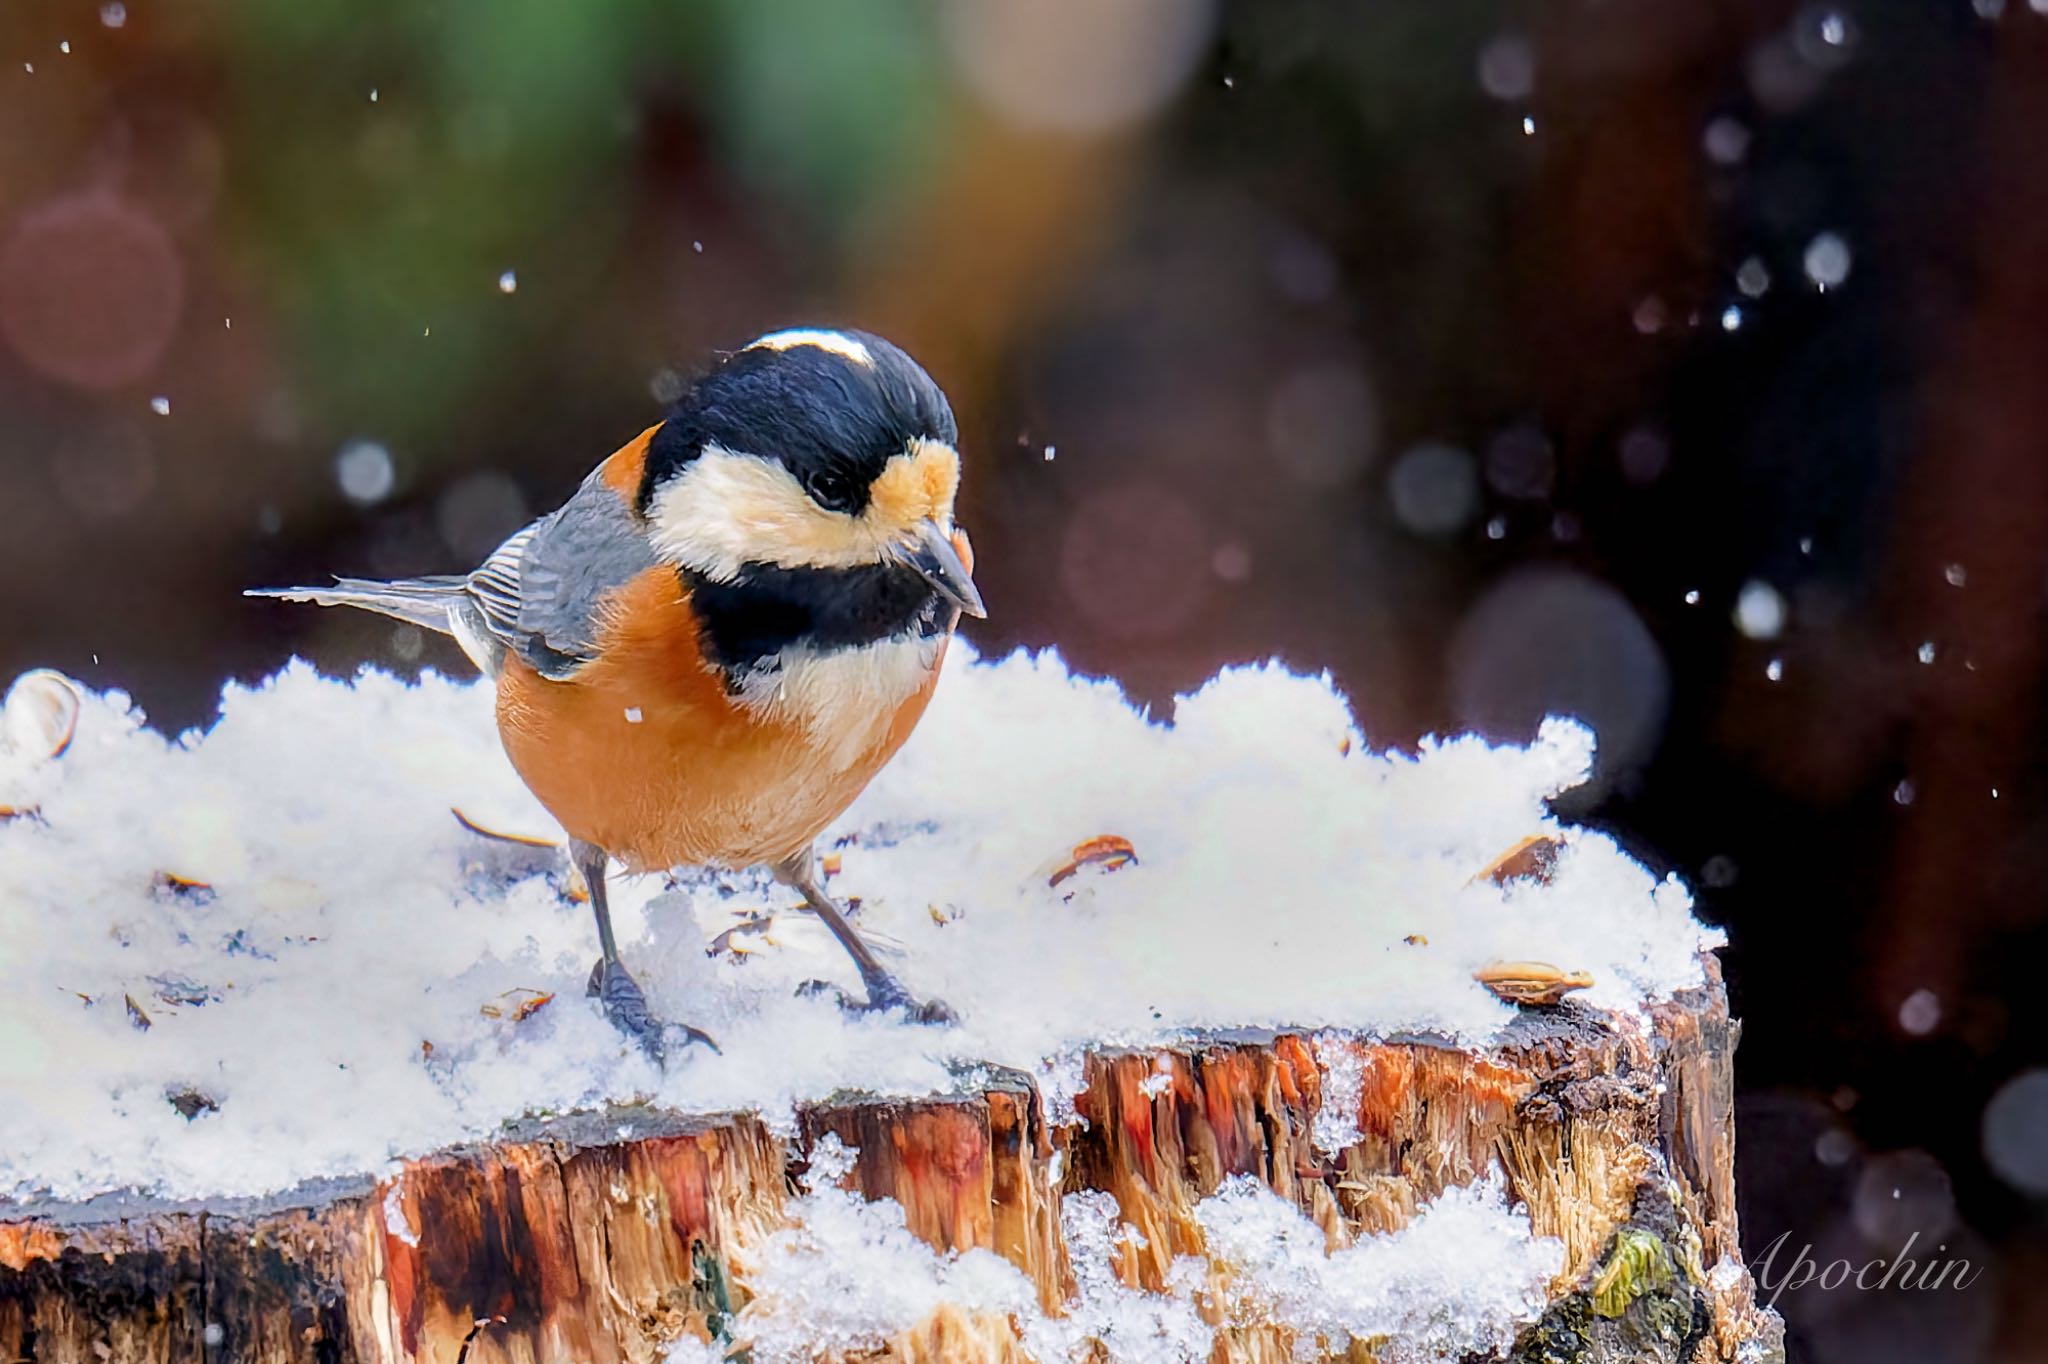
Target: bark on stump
(600, 1238)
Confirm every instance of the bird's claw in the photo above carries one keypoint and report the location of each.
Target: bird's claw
(933, 1012)
(885, 993)
(625, 1006)
(695, 1037)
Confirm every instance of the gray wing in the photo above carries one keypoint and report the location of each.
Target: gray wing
(539, 592)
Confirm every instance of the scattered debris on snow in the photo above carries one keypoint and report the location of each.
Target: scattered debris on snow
(1531, 982)
(318, 943)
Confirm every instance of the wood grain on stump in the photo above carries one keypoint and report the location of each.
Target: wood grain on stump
(602, 1238)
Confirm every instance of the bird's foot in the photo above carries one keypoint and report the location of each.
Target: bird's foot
(625, 1005)
(885, 993)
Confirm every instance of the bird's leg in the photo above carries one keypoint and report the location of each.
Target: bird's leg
(624, 1002)
(800, 873)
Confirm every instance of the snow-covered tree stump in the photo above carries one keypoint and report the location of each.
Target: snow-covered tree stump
(226, 971)
(626, 1235)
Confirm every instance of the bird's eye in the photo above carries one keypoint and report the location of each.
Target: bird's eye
(832, 491)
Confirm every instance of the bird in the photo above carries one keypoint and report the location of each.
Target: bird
(705, 654)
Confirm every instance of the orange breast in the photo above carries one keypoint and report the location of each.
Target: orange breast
(644, 753)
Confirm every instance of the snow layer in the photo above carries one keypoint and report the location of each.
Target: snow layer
(1335, 1129)
(1456, 1281)
(347, 985)
(847, 1276)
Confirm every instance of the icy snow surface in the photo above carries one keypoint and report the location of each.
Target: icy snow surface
(347, 984)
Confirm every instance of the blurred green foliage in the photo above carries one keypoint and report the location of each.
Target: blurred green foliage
(500, 132)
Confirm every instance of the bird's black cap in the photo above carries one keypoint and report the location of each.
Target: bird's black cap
(833, 406)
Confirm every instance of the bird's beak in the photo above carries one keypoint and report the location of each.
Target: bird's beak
(930, 551)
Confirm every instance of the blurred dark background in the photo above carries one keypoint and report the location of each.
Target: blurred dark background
(1683, 366)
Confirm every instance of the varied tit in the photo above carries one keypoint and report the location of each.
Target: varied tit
(708, 651)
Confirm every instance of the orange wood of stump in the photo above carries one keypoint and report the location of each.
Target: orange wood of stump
(599, 1238)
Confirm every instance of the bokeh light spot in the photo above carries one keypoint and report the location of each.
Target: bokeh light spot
(1827, 261)
(1322, 424)
(1834, 1148)
(1435, 489)
(665, 385)
(364, 471)
(1920, 1012)
(1760, 610)
(1901, 1194)
(1076, 65)
(1726, 141)
(90, 291)
(1302, 268)
(1136, 561)
(1520, 463)
(1507, 67)
(1232, 561)
(2016, 1132)
(1555, 642)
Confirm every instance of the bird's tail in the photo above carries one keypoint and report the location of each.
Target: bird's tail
(419, 601)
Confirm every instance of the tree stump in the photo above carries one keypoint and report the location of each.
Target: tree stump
(604, 1237)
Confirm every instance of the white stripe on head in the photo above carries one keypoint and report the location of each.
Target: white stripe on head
(839, 343)
(727, 508)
